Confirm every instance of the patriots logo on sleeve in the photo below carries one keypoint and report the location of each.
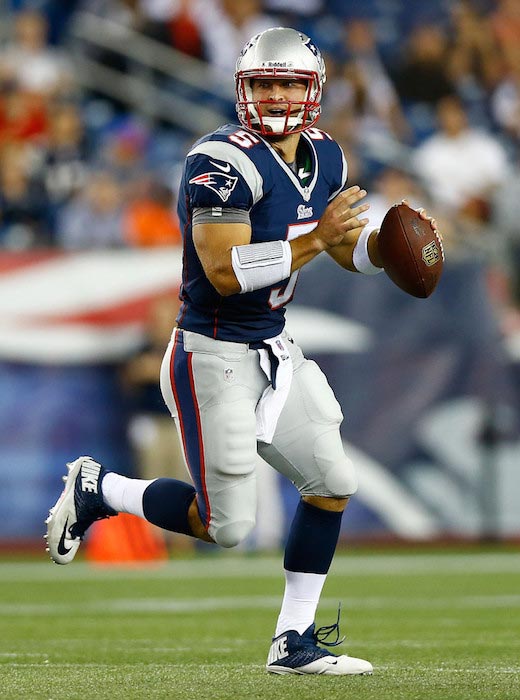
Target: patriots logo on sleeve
(221, 183)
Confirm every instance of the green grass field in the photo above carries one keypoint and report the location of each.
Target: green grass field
(435, 625)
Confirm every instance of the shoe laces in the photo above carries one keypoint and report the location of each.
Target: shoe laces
(79, 528)
(323, 633)
(92, 508)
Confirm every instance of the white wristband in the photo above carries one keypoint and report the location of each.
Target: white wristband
(360, 256)
(259, 265)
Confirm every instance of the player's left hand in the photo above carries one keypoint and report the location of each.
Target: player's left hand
(424, 215)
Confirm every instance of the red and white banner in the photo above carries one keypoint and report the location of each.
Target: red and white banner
(69, 308)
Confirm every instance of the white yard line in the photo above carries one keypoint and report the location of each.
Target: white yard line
(124, 606)
(222, 566)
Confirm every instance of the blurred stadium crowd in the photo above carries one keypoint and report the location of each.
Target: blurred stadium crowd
(424, 97)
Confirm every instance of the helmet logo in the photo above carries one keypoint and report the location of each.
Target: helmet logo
(312, 47)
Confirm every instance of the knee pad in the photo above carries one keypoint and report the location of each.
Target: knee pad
(337, 469)
(341, 480)
(231, 534)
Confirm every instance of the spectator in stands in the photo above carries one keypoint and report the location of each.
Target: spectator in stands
(474, 59)
(505, 24)
(171, 22)
(123, 151)
(30, 62)
(423, 74)
(64, 161)
(22, 203)
(422, 78)
(460, 165)
(95, 217)
(23, 115)
(150, 219)
(361, 102)
(183, 30)
(505, 102)
(225, 26)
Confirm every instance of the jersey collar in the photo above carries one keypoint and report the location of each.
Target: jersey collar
(305, 191)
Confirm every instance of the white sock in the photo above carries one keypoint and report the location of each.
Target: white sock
(300, 600)
(123, 494)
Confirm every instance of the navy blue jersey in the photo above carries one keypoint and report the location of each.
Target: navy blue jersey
(235, 168)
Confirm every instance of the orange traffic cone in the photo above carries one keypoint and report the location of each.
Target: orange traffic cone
(125, 539)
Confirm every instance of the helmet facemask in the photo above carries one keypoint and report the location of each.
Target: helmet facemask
(299, 115)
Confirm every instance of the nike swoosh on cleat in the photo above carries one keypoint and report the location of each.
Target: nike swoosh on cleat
(61, 544)
(225, 168)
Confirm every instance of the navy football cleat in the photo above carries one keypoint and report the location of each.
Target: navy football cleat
(299, 653)
(80, 504)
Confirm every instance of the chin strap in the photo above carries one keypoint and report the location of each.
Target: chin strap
(279, 125)
(324, 632)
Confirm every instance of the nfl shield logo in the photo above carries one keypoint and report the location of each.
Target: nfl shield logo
(431, 254)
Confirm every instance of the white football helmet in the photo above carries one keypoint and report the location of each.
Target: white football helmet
(280, 53)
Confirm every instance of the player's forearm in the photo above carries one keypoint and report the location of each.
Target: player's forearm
(304, 249)
(373, 249)
(343, 253)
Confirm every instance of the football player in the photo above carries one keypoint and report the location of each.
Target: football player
(258, 201)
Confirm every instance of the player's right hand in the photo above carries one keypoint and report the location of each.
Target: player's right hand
(340, 221)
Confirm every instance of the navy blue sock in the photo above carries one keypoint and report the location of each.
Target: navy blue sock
(166, 503)
(312, 540)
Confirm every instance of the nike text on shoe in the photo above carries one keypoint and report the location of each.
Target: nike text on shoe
(80, 504)
(299, 653)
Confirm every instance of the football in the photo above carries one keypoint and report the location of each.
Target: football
(411, 251)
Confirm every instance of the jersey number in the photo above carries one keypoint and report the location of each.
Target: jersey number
(318, 134)
(244, 138)
(282, 295)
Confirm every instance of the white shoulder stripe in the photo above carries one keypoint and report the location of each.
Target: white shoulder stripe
(238, 159)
